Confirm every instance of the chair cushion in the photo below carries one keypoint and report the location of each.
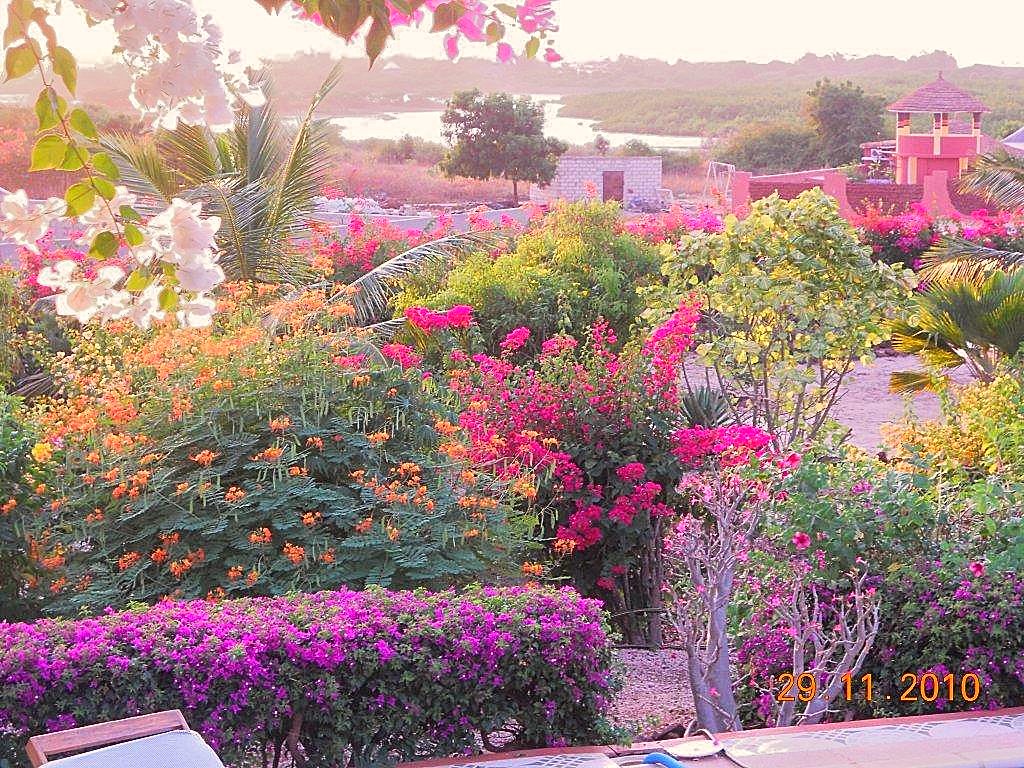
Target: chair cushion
(175, 749)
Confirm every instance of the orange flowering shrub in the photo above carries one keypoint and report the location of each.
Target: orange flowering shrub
(234, 461)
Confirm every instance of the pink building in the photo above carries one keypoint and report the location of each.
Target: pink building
(918, 155)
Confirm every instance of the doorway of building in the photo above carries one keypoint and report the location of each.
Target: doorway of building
(613, 183)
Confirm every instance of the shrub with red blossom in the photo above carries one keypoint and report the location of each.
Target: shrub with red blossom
(602, 433)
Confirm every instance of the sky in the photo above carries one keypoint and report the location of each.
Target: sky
(721, 30)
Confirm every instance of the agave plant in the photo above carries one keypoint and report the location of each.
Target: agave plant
(961, 322)
(259, 177)
(1000, 179)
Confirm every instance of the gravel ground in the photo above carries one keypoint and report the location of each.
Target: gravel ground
(655, 696)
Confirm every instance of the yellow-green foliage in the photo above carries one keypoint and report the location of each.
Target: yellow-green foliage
(791, 300)
(559, 278)
(981, 433)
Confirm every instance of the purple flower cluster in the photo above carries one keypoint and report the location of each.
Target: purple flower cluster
(423, 673)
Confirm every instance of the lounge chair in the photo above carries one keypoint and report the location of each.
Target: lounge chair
(160, 740)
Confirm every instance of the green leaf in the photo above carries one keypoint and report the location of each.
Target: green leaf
(75, 158)
(447, 15)
(48, 153)
(101, 162)
(508, 10)
(82, 123)
(65, 66)
(133, 235)
(532, 46)
(49, 107)
(80, 198)
(128, 213)
(21, 59)
(104, 245)
(138, 280)
(105, 189)
(168, 299)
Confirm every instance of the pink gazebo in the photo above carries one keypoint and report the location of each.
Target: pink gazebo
(918, 155)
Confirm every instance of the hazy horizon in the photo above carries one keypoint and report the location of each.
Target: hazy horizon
(670, 31)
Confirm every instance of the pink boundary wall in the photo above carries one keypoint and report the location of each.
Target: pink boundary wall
(934, 194)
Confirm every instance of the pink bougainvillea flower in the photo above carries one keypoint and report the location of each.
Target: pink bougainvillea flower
(460, 316)
(551, 56)
(801, 540)
(401, 354)
(505, 53)
(516, 339)
(451, 46)
(977, 569)
(631, 472)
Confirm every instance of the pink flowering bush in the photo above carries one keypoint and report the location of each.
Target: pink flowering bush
(602, 435)
(367, 243)
(901, 239)
(946, 618)
(672, 224)
(361, 677)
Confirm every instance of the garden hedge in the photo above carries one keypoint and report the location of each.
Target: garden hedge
(343, 677)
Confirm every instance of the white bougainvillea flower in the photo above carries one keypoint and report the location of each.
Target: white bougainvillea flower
(57, 276)
(23, 222)
(197, 313)
(199, 276)
(84, 300)
(104, 217)
(146, 308)
(182, 233)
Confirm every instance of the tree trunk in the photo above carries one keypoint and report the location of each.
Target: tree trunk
(515, 192)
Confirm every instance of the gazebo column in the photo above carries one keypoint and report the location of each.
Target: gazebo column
(976, 130)
(902, 129)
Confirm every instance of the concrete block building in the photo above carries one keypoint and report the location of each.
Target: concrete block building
(614, 178)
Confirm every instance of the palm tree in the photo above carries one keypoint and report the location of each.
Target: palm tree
(259, 177)
(962, 322)
(999, 178)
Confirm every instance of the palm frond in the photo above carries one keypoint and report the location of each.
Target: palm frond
(957, 259)
(144, 171)
(386, 330)
(195, 153)
(304, 170)
(912, 382)
(241, 233)
(372, 292)
(999, 177)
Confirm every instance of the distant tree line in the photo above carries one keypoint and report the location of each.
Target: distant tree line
(838, 118)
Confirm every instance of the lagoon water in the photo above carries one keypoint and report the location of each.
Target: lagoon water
(426, 124)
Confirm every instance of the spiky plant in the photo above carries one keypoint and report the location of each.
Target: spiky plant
(259, 177)
(961, 322)
(704, 407)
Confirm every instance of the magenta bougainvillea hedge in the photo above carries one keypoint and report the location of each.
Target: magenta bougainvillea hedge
(339, 677)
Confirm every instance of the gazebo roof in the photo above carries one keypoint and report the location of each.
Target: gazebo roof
(938, 96)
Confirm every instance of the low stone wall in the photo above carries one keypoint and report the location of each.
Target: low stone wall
(938, 194)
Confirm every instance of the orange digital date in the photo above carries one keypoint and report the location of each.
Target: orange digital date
(926, 687)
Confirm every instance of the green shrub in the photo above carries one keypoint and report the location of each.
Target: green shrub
(790, 300)
(559, 278)
(18, 475)
(232, 463)
(772, 148)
